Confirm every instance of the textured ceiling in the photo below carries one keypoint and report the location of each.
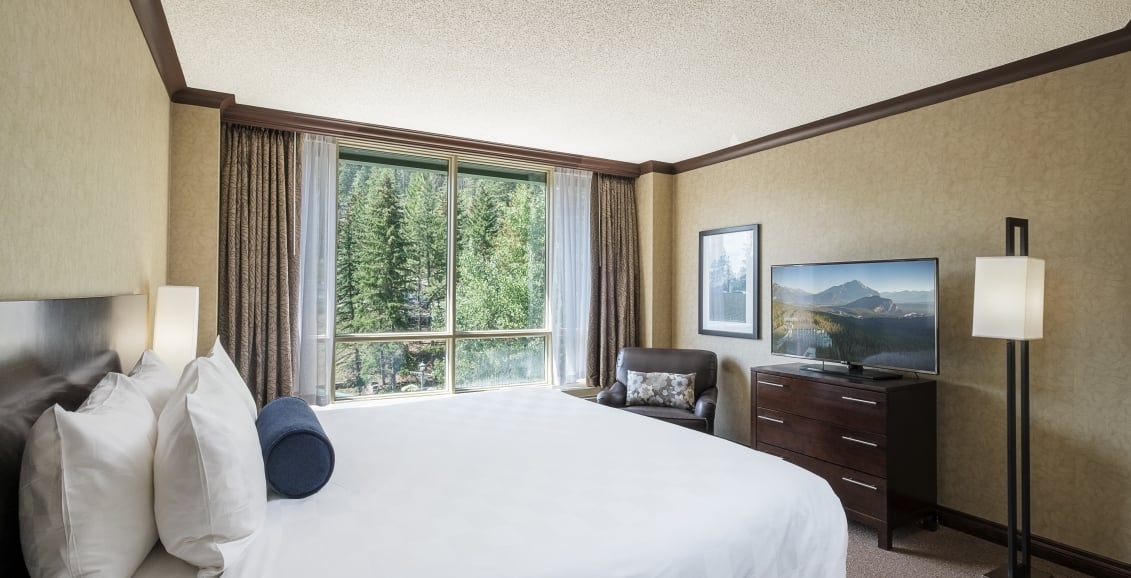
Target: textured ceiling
(631, 81)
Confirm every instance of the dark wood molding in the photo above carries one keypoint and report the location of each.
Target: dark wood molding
(201, 97)
(1063, 554)
(1088, 50)
(281, 119)
(155, 28)
(657, 167)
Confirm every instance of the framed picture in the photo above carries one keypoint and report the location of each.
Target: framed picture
(728, 282)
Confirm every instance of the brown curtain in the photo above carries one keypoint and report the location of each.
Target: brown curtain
(616, 275)
(258, 293)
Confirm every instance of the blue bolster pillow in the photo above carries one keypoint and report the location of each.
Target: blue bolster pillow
(297, 456)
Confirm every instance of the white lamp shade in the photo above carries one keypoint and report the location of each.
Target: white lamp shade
(175, 325)
(1009, 298)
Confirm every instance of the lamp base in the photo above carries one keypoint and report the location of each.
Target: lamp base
(1022, 572)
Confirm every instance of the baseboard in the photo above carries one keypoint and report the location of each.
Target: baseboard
(1063, 554)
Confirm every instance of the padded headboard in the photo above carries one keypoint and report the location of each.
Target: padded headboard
(54, 351)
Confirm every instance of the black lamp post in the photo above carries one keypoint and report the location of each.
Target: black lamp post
(1009, 304)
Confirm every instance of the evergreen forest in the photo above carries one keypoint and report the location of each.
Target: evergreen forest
(392, 277)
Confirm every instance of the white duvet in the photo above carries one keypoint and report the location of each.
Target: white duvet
(535, 483)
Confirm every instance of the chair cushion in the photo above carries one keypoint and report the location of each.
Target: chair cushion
(671, 415)
(675, 390)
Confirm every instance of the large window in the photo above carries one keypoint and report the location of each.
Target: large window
(441, 283)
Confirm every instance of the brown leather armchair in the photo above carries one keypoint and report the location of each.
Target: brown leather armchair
(705, 366)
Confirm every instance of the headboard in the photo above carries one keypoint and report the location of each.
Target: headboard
(54, 351)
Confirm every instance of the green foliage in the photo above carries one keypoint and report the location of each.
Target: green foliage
(392, 264)
(426, 246)
(501, 260)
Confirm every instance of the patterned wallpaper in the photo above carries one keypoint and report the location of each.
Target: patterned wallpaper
(194, 209)
(939, 182)
(84, 152)
(654, 196)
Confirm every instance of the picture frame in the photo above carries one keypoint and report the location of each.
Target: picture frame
(729, 282)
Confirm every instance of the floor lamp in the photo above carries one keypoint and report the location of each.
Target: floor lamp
(1009, 295)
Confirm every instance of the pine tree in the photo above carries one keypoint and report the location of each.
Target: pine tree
(426, 233)
(380, 257)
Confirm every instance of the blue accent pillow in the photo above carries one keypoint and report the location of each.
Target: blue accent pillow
(297, 456)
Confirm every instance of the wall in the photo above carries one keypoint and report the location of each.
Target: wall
(938, 182)
(84, 152)
(194, 209)
(654, 197)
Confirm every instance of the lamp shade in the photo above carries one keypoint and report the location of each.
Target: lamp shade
(1009, 298)
(175, 325)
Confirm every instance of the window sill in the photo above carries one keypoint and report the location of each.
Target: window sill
(579, 390)
(575, 389)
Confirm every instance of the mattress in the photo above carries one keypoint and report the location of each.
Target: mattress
(536, 483)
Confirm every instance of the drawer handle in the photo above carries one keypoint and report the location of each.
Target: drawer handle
(851, 439)
(852, 481)
(858, 400)
(771, 419)
(771, 383)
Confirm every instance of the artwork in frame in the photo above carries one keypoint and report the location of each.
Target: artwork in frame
(728, 282)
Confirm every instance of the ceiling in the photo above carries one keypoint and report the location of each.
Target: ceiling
(631, 81)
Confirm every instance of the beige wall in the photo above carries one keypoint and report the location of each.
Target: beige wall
(194, 209)
(654, 197)
(939, 182)
(84, 152)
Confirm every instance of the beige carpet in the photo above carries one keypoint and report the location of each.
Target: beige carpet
(918, 553)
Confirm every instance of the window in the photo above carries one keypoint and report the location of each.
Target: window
(441, 283)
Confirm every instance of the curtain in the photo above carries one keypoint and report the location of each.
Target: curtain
(316, 269)
(616, 266)
(259, 230)
(570, 273)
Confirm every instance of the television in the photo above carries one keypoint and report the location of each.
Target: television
(879, 314)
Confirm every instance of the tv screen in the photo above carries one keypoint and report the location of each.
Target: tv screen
(873, 313)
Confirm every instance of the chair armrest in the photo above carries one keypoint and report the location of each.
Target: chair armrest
(705, 405)
(615, 396)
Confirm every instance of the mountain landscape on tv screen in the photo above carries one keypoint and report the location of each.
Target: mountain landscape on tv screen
(853, 322)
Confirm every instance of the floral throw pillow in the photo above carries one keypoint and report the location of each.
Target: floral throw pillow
(664, 389)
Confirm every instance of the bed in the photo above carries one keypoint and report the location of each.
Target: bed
(535, 483)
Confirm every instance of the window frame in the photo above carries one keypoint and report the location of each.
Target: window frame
(449, 335)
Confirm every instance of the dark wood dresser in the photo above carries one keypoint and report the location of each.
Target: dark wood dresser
(874, 441)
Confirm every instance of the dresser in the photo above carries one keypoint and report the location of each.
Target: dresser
(873, 441)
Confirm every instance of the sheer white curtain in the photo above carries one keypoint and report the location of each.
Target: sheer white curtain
(570, 273)
(316, 269)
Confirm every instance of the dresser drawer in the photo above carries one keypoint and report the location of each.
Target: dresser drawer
(857, 491)
(862, 451)
(856, 409)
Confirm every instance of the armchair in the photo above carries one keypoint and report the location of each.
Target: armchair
(704, 364)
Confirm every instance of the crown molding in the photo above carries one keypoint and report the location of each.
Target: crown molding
(201, 97)
(1102, 46)
(155, 28)
(281, 119)
(657, 167)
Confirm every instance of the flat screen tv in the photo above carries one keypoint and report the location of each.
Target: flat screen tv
(867, 313)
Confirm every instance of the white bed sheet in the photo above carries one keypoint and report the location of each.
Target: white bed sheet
(536, 483)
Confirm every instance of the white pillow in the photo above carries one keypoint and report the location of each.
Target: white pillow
(210, 489)
(219, 359)
(86, 485)
(154, 379)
